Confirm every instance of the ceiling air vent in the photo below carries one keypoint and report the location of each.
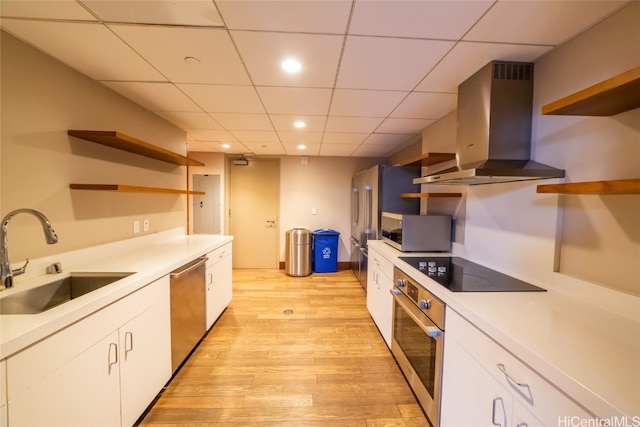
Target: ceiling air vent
(513, 70)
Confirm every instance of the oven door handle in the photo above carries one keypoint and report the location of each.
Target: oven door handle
(431, 330)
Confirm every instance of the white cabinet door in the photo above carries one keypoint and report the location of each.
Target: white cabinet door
(379, 298)
(470, 396)
(145, 359)
(219, 282)
(83, 392)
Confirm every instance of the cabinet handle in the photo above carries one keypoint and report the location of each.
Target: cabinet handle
(502, 369)
(522, 424)
(493, 411)
(128, 343)
(113, 351)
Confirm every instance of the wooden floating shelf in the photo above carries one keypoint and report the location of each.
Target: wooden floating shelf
(428, 159)
(615, 95)
(132, 189)
(620, 186)
(428, 195)
(130, 144)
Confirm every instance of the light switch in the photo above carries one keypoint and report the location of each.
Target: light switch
(145, 225)
(136, 227)
(314, 211)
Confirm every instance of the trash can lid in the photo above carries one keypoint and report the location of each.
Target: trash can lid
(326, 232)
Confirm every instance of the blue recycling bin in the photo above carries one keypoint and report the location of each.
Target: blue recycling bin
(325, 251)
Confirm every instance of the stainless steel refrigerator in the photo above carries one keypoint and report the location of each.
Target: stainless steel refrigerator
(374, 190)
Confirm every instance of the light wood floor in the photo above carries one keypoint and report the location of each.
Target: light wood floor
(324, 365)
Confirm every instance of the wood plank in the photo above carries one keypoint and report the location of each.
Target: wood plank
(621, 186)
(612, 96)
(324, 366)
(121, 141)
(428, 159)
(131, 189)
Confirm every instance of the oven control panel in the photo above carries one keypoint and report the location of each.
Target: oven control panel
(428, 303)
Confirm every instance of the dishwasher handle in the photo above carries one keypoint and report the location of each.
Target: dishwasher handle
(188, 267)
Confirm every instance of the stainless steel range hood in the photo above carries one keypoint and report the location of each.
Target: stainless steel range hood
(494, 129)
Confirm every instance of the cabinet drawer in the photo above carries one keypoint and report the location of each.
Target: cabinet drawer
(382, 264)
(36, 362)
(218, 254)
(536, 394)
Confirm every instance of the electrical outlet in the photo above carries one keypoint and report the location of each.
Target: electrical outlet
(145, 225)
(136, 227)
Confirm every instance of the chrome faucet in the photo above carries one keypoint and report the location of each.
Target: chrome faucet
(6, 274)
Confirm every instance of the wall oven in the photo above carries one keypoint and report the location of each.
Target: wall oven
(417, 341)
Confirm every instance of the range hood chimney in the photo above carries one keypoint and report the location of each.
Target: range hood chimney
(494, 129)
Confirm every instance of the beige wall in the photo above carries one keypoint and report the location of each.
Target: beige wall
(592, 238)
(325, 184)
(41, 100)
(598, 236)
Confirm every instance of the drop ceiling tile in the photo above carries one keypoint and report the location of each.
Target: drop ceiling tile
(284, 122)
(189, 120)
(373, 150)
(236, 121)
(224, 99)
(468, 57)
(169, 12)
(167, 47)
(388, 63)
(423, 19)
(364, 103)
(262, 53)
(265, 149)
(389, 139)
(303, 137)
(403, 126)
(336, 150)
(352, 124)
(211, 135)
(288, 100)
(311, 16)
(160, 96)
(45, 9)
(216, 147)
(253, 136)
(426, 105)
(234, 147)
(539, 22)
(353, 139)
(75, 45)
(308, 150)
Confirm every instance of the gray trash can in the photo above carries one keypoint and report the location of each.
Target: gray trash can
(298, 252)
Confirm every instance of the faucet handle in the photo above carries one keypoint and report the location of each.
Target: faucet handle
(54, 268)
(21, 270)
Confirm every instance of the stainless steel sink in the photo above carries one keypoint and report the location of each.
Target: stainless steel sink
(42, 298)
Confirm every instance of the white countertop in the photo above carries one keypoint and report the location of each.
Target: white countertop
(149, 257)
(590, 353)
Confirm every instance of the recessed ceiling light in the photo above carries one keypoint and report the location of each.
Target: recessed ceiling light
(299, 124)
(191, 60)
(226, 145)
(302, 147)
(291, 65)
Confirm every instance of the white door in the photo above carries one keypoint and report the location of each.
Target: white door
(254, 193)
(206, 208)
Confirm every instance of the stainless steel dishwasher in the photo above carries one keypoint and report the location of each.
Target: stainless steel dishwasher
(188, 309)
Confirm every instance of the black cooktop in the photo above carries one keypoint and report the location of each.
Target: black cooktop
(459, 275)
